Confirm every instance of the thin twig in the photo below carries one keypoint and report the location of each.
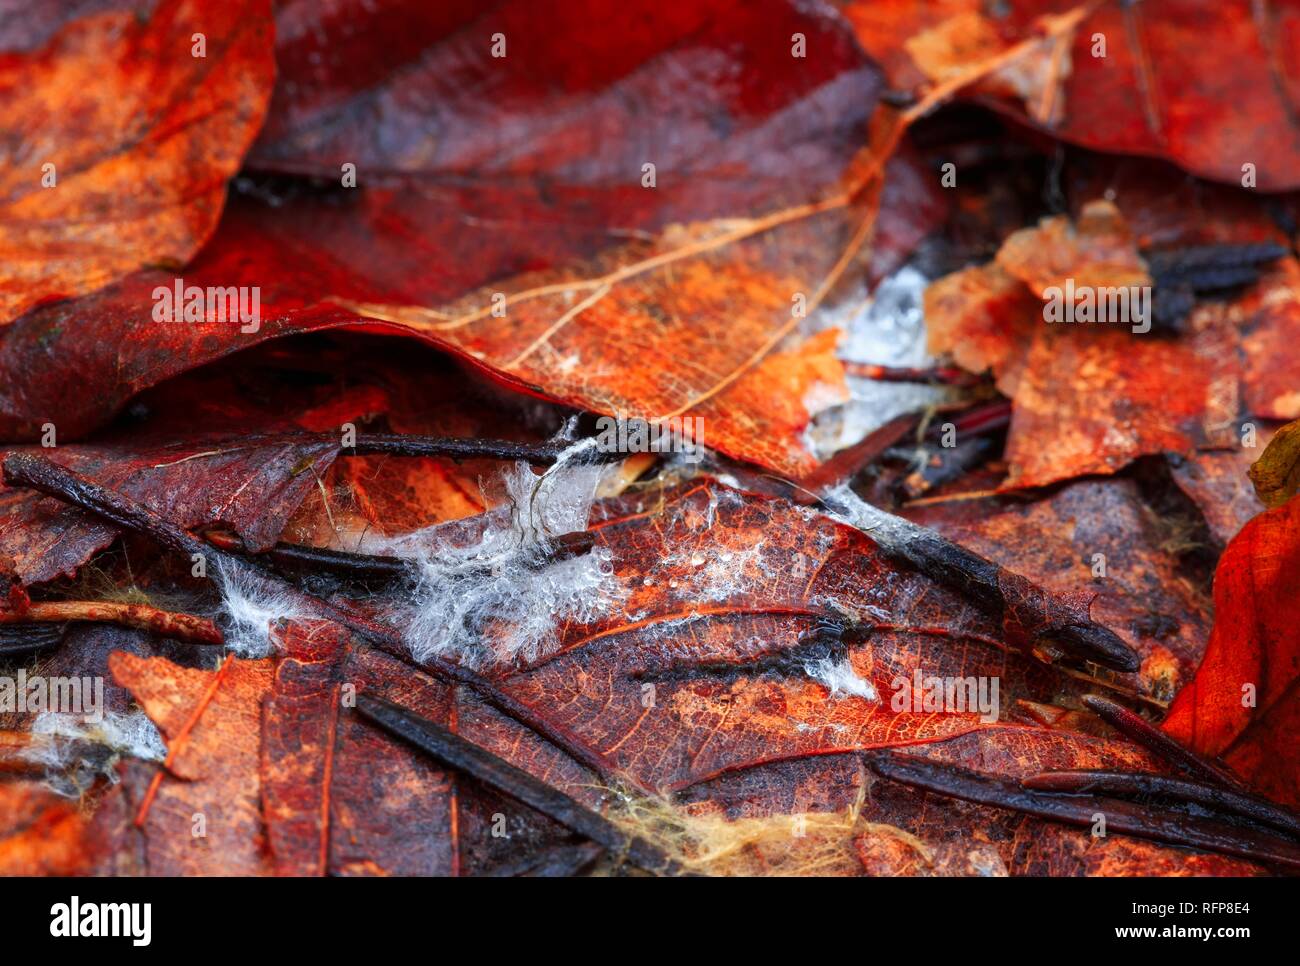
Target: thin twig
(1029, 615)
(297, 557)
(454, 751)
(937, 375)
(180, 627)
(1174, 828)
(1137, 728)
(462, 448)
(1133, 784)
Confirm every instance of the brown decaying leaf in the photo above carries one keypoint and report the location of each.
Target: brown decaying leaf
(1276, 474)
(1091, 398)
(140, 136)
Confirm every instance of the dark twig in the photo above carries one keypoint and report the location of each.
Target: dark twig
(1139, 784)
(38, 473)
(1174, 828)
(454, 751)
(558, 861)
(1030, 616)
(1137, 728)
(22, 639)
(460, 448)
(293, 556)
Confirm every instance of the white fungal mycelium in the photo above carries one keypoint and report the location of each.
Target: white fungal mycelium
(75, 750)
(485, 591)
(840, 678)
(248, 606)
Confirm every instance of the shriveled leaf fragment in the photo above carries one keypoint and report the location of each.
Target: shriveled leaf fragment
(1276, 474)
(981, 315)
(1096, 250)
(1242, 706)
(119, 142)
(211, 722)
(340, 797)
(1136, 79)
(1089, 396)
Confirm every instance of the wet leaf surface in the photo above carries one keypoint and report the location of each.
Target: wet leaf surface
(119, 143)
(1241, 705)
(501, 221)
(1157, 91)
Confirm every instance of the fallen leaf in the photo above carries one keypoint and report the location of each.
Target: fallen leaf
(1157, 91)
(1276, 475)
(1241, 705)
(1090, 398)
(746, 630)
(338, 796)
(119, 143)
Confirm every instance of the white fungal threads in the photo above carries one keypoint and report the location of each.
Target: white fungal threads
(496, 597)
(249, 605)
(74, 751)
(840, 678)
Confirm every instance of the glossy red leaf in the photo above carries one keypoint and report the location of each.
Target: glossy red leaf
(1241, 705)
(119, 142)
(1159, 90)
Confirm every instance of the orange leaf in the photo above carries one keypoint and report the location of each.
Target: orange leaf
(119, 142)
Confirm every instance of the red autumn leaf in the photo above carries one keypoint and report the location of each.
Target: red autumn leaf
(1132, 79)
(740, 631)
(751, 278)
(1241, 706)
(127, 140)
(1091, 398)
